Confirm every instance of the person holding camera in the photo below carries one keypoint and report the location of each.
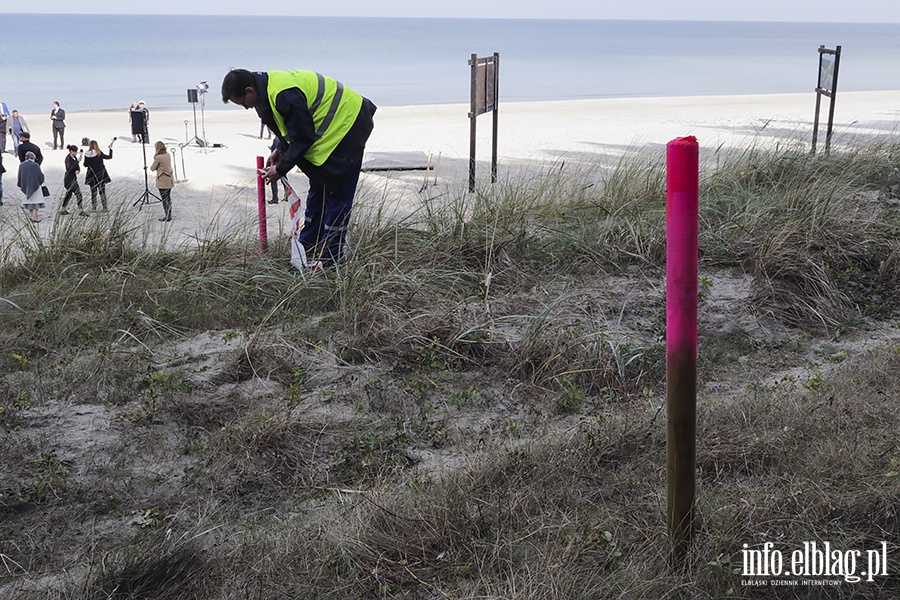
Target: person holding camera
(70, 180)
(145, 136)
(165, 181)
(131, 109)
(58, 118)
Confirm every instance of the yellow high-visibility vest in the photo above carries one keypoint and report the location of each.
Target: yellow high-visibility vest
(334, 108)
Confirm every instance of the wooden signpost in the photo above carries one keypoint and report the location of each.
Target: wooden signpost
(485, 80)
(829, 63)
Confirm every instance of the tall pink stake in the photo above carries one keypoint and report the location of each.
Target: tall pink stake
(682, 204)
(261, 205)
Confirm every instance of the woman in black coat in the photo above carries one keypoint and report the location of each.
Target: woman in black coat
(95, 172)
(70, 180)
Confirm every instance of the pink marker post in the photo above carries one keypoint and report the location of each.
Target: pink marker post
(682, 205)
(261, 205)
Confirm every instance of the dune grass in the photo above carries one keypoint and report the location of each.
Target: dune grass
(470, 406)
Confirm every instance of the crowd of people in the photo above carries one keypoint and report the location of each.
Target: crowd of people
(30, 177)
(320, 126)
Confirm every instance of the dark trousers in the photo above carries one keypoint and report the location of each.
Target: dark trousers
(166, 196)
(274, 186)
(62, 137)
(327, 215)
(73, 190)
(101, 189)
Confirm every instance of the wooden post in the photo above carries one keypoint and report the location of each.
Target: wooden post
(834, 82)
(682, 205)
(496, 85)
(261, 204)
(818, 102)
(473, 115)
(826, 87)
(483, 98)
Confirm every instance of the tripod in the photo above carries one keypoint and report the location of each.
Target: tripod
(195, 95)
(144, 198)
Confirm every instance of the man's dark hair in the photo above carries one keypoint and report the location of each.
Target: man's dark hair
(25, 136)
(236, 80)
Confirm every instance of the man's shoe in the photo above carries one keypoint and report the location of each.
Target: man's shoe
(272, 201)
(63, 212)
(165, 219)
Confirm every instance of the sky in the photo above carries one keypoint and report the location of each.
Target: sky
(840, 11)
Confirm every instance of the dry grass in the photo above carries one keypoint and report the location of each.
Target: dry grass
(472, 406)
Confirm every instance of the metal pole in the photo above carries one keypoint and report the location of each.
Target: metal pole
(682, 203)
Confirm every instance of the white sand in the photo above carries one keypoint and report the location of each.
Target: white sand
(220, 190)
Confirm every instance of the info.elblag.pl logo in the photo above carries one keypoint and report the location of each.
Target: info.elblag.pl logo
(817, 560)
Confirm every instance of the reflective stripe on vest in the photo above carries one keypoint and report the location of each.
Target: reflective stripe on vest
(333, 107)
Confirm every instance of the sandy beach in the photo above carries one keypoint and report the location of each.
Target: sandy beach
(217, 185)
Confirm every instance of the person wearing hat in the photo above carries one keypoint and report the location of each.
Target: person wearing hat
(30, 180)
(25, 146)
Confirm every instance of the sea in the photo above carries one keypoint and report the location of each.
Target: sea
(104, 62)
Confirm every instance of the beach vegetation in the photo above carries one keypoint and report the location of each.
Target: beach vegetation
(471, 405)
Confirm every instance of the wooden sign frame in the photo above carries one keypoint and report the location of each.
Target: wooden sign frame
(483, 98)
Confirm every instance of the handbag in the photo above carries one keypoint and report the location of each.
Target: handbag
(45, 191)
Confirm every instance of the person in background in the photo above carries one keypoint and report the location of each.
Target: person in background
(274, 185)
(70, 181)
(58, 118)
(263, 126)
(26, 146)
(17, 126)
(143, 108)
(131, 109)
(2, 171)
(30, 180)
(327, 145)
(95, 174)
(4, 124)
(162, 164)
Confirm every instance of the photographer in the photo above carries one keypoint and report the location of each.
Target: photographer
(70, 180)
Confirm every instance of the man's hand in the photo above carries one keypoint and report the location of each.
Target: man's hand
(274, 157)
(270, 174)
